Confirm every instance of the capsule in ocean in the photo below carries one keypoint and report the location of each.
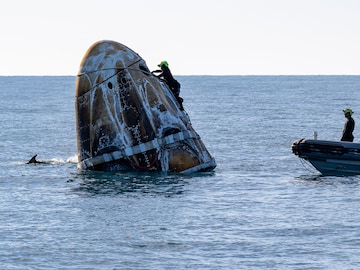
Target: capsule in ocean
(128, 119)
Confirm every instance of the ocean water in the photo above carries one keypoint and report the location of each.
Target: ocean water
(261, 208)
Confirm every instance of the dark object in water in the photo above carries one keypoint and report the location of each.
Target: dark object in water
(33, 160)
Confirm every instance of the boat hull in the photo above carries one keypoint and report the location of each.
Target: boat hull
(127, 119)
(330, 157)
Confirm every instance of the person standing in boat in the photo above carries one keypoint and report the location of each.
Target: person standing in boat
(167, 77)
(349, 126)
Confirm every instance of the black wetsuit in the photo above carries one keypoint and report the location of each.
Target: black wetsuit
(348, 130)
(170, 81)
(173, 84)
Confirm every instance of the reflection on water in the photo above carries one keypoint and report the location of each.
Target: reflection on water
(329, 180)
(111, 183)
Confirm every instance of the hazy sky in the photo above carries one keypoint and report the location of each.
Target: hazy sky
(196, 37)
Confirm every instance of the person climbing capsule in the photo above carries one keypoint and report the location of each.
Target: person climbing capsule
(167, 77)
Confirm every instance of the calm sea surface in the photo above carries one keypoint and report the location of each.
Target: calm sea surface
(261, 208)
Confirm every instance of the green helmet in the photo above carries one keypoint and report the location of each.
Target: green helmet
(348, 110)
(163, 63)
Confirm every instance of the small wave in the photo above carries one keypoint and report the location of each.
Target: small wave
(72, 159)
